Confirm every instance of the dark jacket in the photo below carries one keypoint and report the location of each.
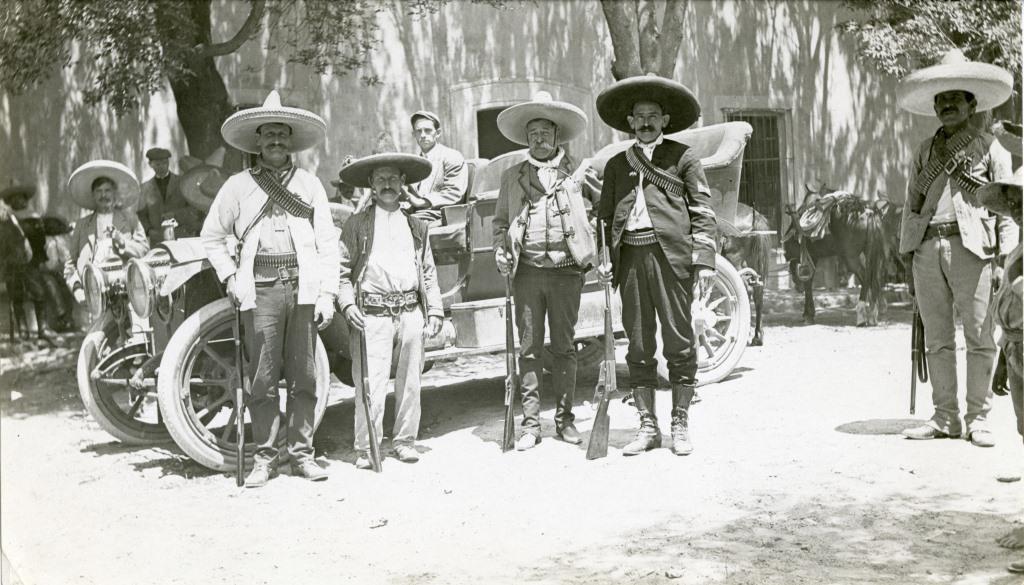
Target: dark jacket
(685, 226)
(156, 208)
(356, 244)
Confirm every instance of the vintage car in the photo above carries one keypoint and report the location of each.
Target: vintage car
(175, 378)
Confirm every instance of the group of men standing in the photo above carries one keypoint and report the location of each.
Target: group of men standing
(290, 270)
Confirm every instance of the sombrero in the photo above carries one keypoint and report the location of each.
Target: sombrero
(991, 85)
(1009, 136)
(80, 183)
(571, 121)
(29, 191)
(200, 184)
(676, 100)
(357, 173)
(239, 130)
(1003, 201)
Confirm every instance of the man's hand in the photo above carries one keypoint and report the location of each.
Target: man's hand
(355, 317)
(997, 278)
(604, 273)
(433, 326)
(414, 198)
(229, 286)
(323, 312)
(79, 295)
(704, 278)
(503, 259)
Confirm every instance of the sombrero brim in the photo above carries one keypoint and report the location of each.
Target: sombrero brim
(80, 183)
(991, 86)
(571, 121)
(676, 100)
(1003, 201)
(199, 185)
(29, 191)
(357, 173)
(239, 130)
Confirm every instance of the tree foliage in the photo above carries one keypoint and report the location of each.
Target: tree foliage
(899, 36)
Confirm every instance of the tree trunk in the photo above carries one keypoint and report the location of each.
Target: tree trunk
(620, 16)
(640, 44)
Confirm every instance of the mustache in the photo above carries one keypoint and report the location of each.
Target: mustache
(646, 128)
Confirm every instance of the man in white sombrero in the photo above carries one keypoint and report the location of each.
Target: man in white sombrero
(270, 238)
(656, 207)
(542, 237)
(111, 191)
(955, 243)
(389, 291)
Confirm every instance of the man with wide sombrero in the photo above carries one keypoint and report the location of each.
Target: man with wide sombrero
(542, 237)
(111, 191)
(269, 236)
(656, 208)
(389, 291)
(955, 243)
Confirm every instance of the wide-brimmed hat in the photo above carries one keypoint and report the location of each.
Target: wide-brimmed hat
(200, 184)
(998, 199)
(239, 130)
(571, 121)
(991, 85)
(80, 183)
(676, 100)
(29, 191)
(1009, 136)
(357, 173)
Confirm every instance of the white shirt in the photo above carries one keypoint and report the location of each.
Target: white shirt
(104, 243)
(638, 217)
(391, 266)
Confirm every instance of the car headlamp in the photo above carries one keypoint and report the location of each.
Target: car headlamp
(143, 280)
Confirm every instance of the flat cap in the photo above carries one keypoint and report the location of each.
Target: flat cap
(158, 153)
(428, 115)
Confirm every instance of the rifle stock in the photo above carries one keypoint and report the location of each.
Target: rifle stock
(919, 367)
(243, 389)
(364, 393)
(511, 372)
(607, 384)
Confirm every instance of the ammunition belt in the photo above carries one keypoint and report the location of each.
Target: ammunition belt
(644, 237)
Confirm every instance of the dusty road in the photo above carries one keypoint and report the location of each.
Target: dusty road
(798, 477)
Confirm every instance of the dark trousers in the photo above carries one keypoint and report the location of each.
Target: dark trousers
(649, 288)
(281, 338)
(554, 293)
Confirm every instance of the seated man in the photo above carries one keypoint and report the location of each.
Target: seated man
(449, 176)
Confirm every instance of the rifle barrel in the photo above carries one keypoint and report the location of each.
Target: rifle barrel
(511, 375)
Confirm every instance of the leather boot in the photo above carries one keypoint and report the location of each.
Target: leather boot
(649, 436)
(682, 395)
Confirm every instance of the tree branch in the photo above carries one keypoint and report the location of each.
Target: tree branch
(671, 37)
(249, 27)
(620, 16)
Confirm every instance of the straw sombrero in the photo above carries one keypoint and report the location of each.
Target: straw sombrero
(990, 85)
(29, 191)
(200, 184)
(1000, 200)
(80, 183)
(676, 100)
(571, 121)
(239, 130)
(357, 173)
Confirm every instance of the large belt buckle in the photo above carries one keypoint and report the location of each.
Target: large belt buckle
(284, 273)
(393, 303)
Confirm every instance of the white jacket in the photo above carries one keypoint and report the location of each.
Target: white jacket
(316, 245)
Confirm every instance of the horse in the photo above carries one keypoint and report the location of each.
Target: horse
(747, 244)
(849, 229)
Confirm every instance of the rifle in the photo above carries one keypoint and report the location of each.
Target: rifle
(606, 383)
(364, 392)
(918, 364)
(511, 372)
(243, 389)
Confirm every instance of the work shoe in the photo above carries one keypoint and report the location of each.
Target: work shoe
(363, 461)
(406, 453)
(527, 441)
(924, 432)
(649, 436)
(569, 434)
(258, 477)
(310, 470)
(982, 438)
(681, 444)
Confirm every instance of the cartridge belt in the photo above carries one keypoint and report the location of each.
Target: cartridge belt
(392, 304)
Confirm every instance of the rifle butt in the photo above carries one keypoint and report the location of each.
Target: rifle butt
(508, 435)
(240, 392)
(598, 445)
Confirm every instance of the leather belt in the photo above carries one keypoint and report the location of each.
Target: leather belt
(942, 230)
(392, 304)
(284, 275)
(644, 237)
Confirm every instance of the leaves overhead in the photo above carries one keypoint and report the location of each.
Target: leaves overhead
(899, 36)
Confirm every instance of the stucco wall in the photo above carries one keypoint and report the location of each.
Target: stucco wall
(842, 125)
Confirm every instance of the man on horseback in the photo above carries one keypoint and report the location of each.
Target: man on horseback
(954, 241)
(656, 208)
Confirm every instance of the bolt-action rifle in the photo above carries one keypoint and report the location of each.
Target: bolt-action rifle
(606, 383)
(511, 371)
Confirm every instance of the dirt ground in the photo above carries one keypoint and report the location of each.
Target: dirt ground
(799, 476)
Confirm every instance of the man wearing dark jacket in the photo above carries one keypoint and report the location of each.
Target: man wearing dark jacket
(655, 204)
